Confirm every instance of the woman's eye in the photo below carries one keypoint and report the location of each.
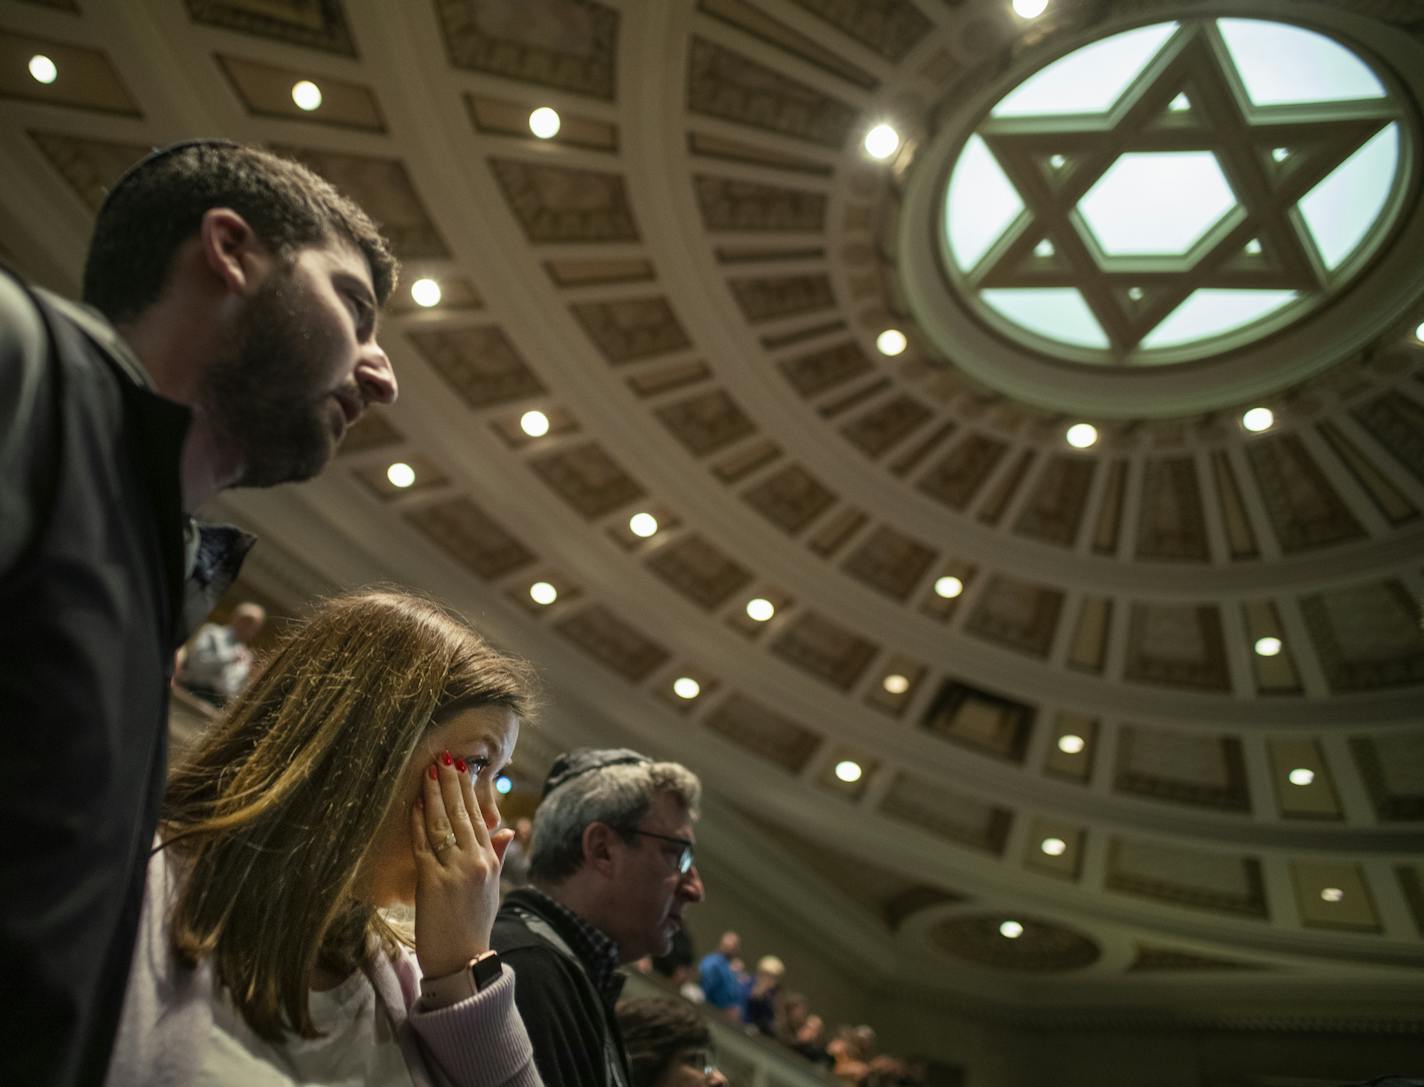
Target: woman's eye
(477, 765)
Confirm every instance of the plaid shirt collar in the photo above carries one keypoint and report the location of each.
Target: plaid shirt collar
(595, 948)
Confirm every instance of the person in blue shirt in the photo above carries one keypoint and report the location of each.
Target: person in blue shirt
(721, 977)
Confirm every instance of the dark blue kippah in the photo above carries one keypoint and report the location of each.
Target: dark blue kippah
(585, 760)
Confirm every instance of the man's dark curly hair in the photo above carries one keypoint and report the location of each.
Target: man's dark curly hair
(160, 203)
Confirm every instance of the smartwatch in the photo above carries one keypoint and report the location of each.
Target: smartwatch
(476, 975)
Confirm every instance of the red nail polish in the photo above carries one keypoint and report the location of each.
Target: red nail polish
(460, 765)
(445, 758)
(432, 773)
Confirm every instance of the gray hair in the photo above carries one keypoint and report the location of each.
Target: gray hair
(617, 796)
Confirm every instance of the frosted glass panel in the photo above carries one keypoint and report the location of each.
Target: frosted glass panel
(1210, 312)
(1157, 202)
(1341, 209)
(1088, 80)
(1057, 313)
(1283, 64)
(980, 204)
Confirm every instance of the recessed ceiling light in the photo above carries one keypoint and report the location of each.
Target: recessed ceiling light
(1332, 894)
(848, 771)
(1268, 646)
(760, 609)
(1135, 293)
(42, 69)
(686, 687)
(895, 683)
(544, 123)
(1280, 154)
(400, 475)
(306, 94)
(642, 524)
(541, 592)
(1011, 930)
(1419, 332)
(1082, 435)
(534, 423)
(948, 587)
(891, 342)
(1070, 744)
(1258, 419)
(1301, 776)
(882, 141)
(425, 292)
(1030, 9)
(1054, 847)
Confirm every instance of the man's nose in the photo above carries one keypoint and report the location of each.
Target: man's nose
(375, 376)
(691, 886)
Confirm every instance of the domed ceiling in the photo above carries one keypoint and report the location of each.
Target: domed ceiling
(1158, 699)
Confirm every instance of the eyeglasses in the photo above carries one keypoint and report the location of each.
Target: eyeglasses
(700, 1060)
(684, 860)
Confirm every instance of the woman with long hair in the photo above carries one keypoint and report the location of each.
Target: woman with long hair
(355, 773)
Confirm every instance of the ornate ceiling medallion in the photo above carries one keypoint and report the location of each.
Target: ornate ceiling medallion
(1165, 194)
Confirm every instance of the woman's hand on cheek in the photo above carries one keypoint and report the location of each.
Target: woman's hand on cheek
(457, 870)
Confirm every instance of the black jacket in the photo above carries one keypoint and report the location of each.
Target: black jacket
(574, 1031)
(93, 564)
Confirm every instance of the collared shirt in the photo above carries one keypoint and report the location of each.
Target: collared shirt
(595, 948)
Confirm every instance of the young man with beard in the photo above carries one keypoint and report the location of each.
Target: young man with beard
(228, 339)
(610, 871)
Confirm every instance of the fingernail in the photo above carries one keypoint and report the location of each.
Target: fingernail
(445, 758)
(460, 765)
(431, 771)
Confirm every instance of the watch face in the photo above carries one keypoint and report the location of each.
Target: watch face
(485, 969)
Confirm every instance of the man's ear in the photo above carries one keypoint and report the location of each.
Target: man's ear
(229, 245)
(598, 839)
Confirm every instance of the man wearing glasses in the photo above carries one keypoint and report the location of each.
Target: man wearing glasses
(611, 870)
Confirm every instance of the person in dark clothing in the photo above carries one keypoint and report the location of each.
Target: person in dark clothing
(611, 870)
(228, 338)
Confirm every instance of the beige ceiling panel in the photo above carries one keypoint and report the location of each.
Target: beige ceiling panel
(942, 607)
(738, 618)
(897, 681)
(1314, 798)
(1109, 520)
(588, 479)
(1054, 848)
(305, 25)
(1388, 499)
(864, 392)
(629, 329)
(915, 454)
(1392, 767)
(1087, 652)
(707, 686)
(891, 28)
(1182, 768)
(1397, 421)
(1171, 525)
(954, 817)
(1274, 674)
(1017, 614)
(266, 91)
(890, 562)
(1074, 748)
(812, 374)
(456, 293)
(566, 45)
(791, 498)
(706, 422)
(1367, 636)
(614, 642)
(763, 732)
(771, 298)
(1041, 947)
(506, 118)
(747, 17)
(1216, 882)
(428, 477)
(1060, 498)
(752, 207)
(653, 380)
(988, 723)
(818, 331)
(959, 475)
(708, 145)
(508, 424)
(745, 460)
(833, 532)
(824, 649)
(469, 535)
(1334, 895)
(886, 425)
(1411, 882)
(384, 189)
(1004, 490)
(829, 778)
(1303, 507)
(86, 78)
(1235, 521)
(89, 167)
(725, 84)
(480, 364)
(566, 204)
(1151, 959)
(1177, 645)
(585, 273)
(698, 570)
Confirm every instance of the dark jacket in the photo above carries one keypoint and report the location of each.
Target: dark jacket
(575, 1033)
(92, 606)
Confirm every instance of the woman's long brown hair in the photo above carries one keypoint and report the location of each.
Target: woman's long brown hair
(273, 813)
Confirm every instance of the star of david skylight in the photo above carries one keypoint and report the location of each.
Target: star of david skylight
(1174, 190)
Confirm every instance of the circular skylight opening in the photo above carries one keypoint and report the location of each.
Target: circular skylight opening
(1174, 190)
